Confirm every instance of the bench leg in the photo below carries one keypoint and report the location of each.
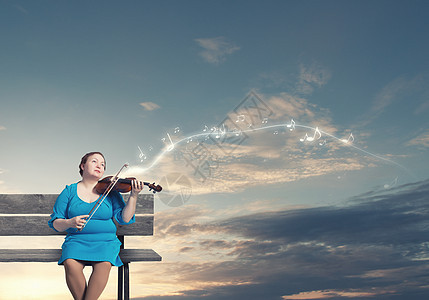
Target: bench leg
(121, 272)
(120, 282)
(126, 281)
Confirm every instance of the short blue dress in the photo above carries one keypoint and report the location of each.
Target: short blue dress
(97, 241)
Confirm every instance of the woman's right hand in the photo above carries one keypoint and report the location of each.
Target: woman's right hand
(78, 221)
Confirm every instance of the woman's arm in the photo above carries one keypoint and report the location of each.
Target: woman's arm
(64, 224)
(130, 208)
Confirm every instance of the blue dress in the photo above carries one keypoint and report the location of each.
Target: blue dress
(97, 241)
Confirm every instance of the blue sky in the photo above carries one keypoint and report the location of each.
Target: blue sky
(126, 77)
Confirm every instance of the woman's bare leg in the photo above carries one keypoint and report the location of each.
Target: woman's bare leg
(98, 280)
(75, 278)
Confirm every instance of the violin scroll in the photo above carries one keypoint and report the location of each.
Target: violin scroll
(153, 188)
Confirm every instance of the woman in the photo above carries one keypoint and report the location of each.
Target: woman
(95, 243)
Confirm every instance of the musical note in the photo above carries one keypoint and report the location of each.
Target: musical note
(304, 138)
(150, 148)
(291, 126)
(316, 132)
(142, 156)
(223, 130)
(189, 140)
(350, 139)
(240, 118)
(176, 130)
(322, 143)
(393, 183)
(218, 132)
(264, 120)
(171, 147)
(205, 128)
(275, 132)
(237, 132)
(312, 138)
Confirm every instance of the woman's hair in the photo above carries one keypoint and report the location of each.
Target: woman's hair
(85, 158)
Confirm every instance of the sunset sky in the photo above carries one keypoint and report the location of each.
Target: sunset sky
(291, 139)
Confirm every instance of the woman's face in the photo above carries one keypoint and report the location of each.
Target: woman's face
(94, 166)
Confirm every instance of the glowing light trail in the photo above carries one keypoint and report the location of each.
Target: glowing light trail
(218, 132)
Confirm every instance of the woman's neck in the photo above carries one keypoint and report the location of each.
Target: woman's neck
(88, 183)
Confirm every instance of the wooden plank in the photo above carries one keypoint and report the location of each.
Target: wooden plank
(130, 255)
(27, 203)
(142, 226)
(53, 255)
(38, 226)
(29, 255)
(43, 203)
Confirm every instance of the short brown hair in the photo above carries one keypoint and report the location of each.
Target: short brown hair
(85, 158)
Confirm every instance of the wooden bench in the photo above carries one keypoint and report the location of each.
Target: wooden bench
(38, 207)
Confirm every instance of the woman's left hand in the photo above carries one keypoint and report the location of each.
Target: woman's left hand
(136, 187)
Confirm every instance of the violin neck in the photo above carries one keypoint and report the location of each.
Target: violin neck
(128, 181)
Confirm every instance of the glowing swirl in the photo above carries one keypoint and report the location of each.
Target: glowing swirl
(219, 132)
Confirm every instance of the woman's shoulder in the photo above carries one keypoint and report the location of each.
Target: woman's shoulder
(69, 192)
(71, 188)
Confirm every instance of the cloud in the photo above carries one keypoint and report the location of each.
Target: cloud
(329, 294)
(311, 77)
(149, 106)
(423, 107)
(2, 128)
(215, 50)
(264, 160)
(398, 88)
(420, 140)
(373, 221)
(277, 155)
(374, 246)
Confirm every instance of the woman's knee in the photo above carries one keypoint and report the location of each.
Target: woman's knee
(72, 265)
(103, 266)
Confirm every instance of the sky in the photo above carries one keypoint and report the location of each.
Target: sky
(290, 137)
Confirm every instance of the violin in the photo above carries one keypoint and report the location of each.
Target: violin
(122, 185)
(114, 183)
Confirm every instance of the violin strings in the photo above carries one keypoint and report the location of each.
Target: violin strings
(101, 200)
(106, 192)
(103, 197)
